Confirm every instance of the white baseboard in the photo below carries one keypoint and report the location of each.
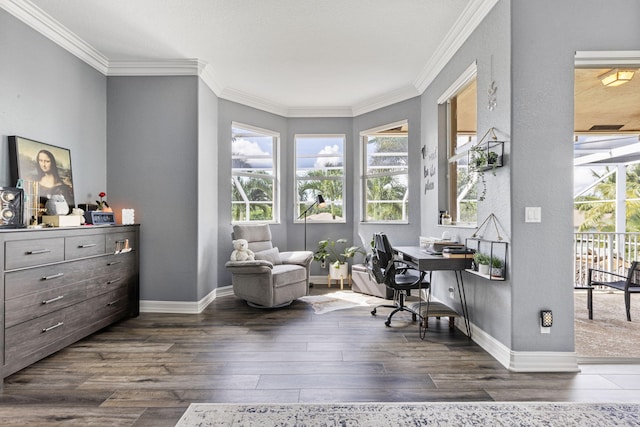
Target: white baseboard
(184, 307)
(524, 361)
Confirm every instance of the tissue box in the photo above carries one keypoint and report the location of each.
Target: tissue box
(61, 220)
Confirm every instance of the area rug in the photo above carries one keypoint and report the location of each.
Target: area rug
(412, 414)
(339, 300)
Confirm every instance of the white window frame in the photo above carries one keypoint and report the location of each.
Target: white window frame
(275, 177)
(342, 178)
(458, 85)
(364, 136)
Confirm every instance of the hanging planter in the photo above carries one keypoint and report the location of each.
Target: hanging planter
(484, 156)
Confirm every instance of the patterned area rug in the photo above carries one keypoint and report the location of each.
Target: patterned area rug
(412, 414)
(339, 300)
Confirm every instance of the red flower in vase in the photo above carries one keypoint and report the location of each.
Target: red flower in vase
(102, 204)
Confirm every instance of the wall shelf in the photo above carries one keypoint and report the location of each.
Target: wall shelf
(495, 249)
(486, 155)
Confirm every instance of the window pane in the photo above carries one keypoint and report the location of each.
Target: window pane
(386, 174)
(320, 170)
(253, 191)
(387, 198)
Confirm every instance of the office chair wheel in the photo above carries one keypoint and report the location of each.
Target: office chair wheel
(413, 317)
(373, 312)
(387, 323)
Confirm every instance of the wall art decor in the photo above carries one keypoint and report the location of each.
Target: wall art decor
(48, 165)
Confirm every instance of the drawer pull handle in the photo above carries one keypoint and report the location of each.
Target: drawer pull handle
(114, 263)
(111, 282)
(53, 276)
(112, 303)
(88, 245)
(57, 325)
(49, 301)
(38, 251)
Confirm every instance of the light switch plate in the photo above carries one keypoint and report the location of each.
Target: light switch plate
(533, 214)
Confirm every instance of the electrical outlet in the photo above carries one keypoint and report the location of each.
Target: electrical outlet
(452, 293)
(323, 264)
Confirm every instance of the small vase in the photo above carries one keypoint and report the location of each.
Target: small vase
(483, 269)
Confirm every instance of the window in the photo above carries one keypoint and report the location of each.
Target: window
(461, 107)
(386, 173)
(254, 174)
(320, 170)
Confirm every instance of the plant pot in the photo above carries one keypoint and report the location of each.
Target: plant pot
(336, 273)
(483, 269)
(496, 272)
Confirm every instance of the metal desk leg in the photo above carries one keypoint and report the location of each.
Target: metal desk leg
(463, 302)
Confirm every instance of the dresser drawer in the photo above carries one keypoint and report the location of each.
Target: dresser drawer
(121, 242)
(84, 246)
(23, 282)
(114, 272)
(28, 307)
(26, 338)
(26, 253)
(109, 304)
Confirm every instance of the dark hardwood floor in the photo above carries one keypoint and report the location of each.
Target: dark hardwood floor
(146, 371)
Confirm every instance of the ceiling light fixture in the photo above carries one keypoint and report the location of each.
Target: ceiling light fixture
(616, 77)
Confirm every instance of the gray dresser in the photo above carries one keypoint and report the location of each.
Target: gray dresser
(61, 284)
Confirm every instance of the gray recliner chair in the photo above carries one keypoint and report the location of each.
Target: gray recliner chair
(275, 278)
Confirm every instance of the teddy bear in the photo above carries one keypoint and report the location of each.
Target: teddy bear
(241, 251)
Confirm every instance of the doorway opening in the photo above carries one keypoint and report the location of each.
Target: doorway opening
(606, 199)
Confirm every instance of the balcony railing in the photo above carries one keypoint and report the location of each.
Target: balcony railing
(606, 251)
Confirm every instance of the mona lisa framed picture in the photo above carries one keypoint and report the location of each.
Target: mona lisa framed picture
(47, 165)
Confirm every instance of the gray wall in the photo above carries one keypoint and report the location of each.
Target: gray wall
(545, 36)
(152, 136)
(489, 303)
(208, 190)
(49, 95)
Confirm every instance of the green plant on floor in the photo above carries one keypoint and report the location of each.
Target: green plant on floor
(336, 252)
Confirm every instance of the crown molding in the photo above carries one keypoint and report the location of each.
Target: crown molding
(599, 58)
(471, 17)
(385, 100)
(249, 100)
(34, 17)
(320, 112)
(164, 67)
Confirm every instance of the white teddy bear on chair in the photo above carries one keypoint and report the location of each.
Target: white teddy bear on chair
(241, 251)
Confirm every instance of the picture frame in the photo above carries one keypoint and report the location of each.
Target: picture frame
(47, 165)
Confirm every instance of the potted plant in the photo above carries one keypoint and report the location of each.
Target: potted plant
(496, 267)
(482, 262)
(481, 159)
(336, 253)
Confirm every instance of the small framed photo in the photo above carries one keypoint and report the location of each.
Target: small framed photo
(47, 165)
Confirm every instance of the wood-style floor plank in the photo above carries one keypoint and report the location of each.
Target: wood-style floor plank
(146, 371)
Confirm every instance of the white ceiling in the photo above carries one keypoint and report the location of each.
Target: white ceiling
(291, 57)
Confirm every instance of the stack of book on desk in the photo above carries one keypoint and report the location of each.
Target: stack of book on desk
(435, 246)
(457, 252)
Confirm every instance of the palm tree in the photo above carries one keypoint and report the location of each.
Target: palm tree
(600, 214)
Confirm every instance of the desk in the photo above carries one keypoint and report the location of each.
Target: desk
(424, 261)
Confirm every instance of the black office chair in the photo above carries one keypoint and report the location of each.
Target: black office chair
(384, 268)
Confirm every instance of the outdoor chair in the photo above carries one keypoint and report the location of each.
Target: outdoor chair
(629, 284)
